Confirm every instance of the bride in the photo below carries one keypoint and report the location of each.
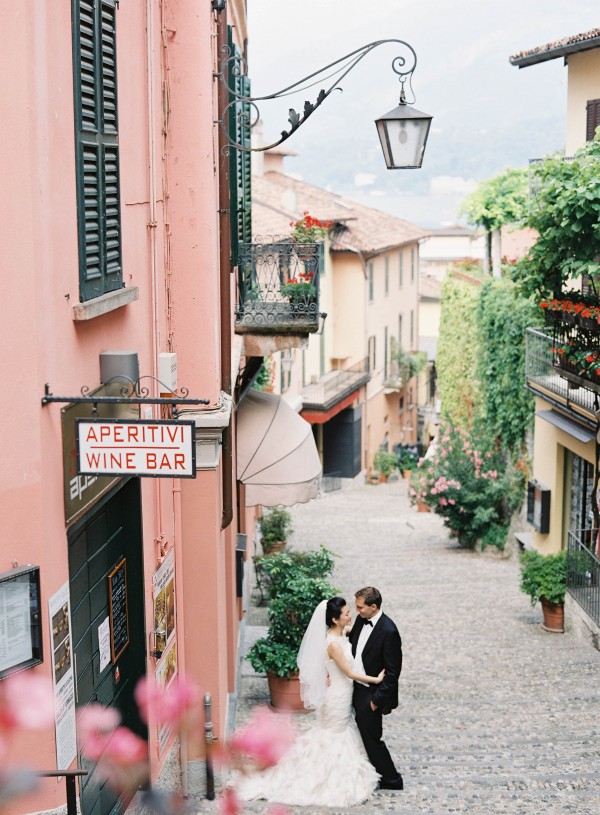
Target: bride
(327, 765)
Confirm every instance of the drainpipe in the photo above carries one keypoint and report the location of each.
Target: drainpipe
(225, 272)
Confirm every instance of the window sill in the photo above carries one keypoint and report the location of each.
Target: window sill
(105, 303)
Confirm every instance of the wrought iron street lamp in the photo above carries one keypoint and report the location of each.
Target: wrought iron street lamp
(403, 131)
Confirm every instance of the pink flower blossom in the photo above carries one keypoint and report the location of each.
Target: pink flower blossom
(451, 501)
(95, 725)
(26, 701)
(125, 748)
(168, 705)
(265, 738)
(228, 802)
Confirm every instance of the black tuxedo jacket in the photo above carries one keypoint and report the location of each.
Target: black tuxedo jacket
(383, 650)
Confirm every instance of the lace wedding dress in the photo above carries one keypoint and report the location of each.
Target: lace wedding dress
(327, 765)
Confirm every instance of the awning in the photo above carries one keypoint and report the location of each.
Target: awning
(277, 457)
(567, 425)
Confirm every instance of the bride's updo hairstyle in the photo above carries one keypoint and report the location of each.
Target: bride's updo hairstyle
(334, 610)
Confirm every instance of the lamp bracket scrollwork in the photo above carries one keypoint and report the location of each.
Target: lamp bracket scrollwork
(235, 66)
(131, 393)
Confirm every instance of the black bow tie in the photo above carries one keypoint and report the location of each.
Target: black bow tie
(368, 622)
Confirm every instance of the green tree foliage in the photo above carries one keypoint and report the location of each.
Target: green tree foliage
(566, 213)
(498, 201)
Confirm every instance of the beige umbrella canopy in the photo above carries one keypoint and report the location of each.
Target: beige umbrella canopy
(277, 457)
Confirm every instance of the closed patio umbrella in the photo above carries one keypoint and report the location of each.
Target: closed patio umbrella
(277, 457)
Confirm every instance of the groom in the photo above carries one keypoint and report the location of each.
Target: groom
(376, 645)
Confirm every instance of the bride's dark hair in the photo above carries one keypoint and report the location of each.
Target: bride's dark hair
(334, 610)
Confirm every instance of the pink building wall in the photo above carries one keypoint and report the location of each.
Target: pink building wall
(170, 235)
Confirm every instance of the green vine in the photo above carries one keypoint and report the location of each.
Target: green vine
(566, 213)
(503, 316)
(458, 350)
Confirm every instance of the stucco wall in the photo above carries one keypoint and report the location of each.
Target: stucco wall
(583, 85)
(549, 448)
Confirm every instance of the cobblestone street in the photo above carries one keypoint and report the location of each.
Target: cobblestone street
(496, 715)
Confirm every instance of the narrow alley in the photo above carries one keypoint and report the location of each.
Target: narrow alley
(496, 715)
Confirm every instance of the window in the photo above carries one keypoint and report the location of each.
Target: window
(372, 353)
(240, 173)
(412, 329)
(385, 352)
(592, 118)
(400, 269)
(97, 147)
(399, 331)
(370, 273)
(387, 276)
(285, 370)
(412, 264)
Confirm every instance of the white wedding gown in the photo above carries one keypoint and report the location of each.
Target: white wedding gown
(327, 765)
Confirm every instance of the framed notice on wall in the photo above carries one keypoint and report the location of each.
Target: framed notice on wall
(117, 600)
(20, 620)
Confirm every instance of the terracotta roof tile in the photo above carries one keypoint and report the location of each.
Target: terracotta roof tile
(558, 48)
(278, 199)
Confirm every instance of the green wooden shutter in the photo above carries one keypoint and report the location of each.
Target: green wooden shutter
(592, 118)
(240, 169)
(97, 147)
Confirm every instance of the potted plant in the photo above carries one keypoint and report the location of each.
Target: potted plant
(544, 578)
(306, 233)
(407, 460)
(275, 527)
(384, 463)
(294, 596)
(300, 291)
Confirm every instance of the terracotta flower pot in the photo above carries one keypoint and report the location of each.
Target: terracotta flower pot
(285, 693)
(422, 506)
(554, 616)
(269, 548)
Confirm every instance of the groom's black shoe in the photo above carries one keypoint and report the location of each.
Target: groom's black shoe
(394, 784)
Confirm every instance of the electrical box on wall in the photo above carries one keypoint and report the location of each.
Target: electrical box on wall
(167, 370)
(538, 506)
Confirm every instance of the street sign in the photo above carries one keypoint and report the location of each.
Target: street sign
(160, 449)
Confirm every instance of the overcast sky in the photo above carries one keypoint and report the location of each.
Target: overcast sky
(487, 114)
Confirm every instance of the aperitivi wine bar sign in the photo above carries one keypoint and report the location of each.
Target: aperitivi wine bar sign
(150, 448)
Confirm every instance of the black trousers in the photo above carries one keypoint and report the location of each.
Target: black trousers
(370, 726)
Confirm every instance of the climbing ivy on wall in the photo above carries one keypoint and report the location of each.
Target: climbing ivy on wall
(507, 407)
(481, 358)
(457, 351)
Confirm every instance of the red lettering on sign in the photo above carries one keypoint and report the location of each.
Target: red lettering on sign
(118, 432)
(104, 431)
(165, 463)
(151, 461)
(93, 460)
(130, 461)
(179, 461)
(132, 433)
(91, 434)
(115, 460)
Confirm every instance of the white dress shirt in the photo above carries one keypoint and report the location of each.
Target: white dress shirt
(365, 633)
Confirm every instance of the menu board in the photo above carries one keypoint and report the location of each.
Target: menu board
(117, 597)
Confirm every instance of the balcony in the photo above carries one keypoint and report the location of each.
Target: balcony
(547, 379)
(335, 386)
(583, 571)
(278, 288)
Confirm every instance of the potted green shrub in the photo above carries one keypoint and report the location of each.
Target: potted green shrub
(275, 527)
(384, 463)
(544, 578)
(407, 461)
(279, 569)
(297, 594)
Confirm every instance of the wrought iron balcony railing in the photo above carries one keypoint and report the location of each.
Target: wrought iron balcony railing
(543, 376)
(278, 287)
(335, 386)
(583, 570)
